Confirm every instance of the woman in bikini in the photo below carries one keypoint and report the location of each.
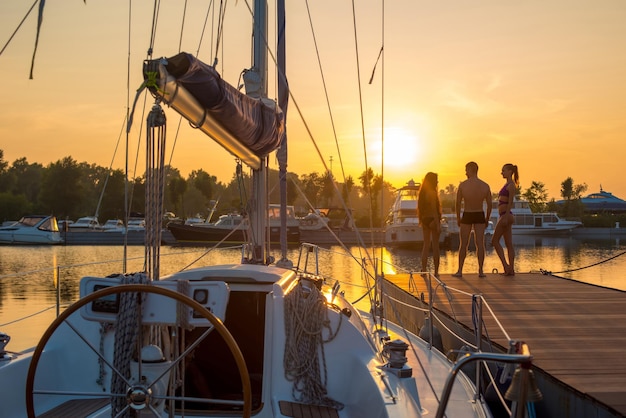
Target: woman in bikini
(505, 222)
(429, 213)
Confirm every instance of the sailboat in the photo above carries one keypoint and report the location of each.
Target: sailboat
(261, 337)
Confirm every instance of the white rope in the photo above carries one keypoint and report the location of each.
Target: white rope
(306, 317)
(155, 185)
(125, 345)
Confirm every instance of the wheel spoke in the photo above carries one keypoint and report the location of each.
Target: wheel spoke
(139, 395)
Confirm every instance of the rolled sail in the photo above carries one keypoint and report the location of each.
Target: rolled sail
(247, 127)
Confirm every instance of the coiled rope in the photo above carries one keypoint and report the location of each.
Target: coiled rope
(306, 317)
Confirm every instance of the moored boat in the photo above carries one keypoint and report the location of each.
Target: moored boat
(257, 337)
(234, 229)
(86, 223)
(32, 229)
(528, 222)
(113, 225)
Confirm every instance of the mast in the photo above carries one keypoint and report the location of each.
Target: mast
(258, 203)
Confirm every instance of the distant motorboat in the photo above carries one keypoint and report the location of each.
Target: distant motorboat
(138, 224)
(528, 222)
(86, 223)
(402, 227)
(195, 220)
(113, 225)
(233, 228)
(33, 229)
(325, 218)
(313, 221)
(452, 226)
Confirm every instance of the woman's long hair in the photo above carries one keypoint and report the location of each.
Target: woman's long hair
(429, 187)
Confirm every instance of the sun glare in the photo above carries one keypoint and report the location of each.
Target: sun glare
(401, 148)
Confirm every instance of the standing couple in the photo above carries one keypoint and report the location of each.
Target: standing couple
(471, 195)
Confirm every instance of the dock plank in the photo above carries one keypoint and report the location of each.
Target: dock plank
(576, 331)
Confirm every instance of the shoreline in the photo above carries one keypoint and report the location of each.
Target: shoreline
(598, 232)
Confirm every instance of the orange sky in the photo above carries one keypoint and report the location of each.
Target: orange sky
(539, 84)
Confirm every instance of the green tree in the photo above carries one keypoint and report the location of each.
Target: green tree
(447, 197)
(13, 207)
(372, 187)
(202, 181)
(177, 187)
(567, 188)
(537, 196)
(61, 190)
(26, 178)
(328, 189)
(312, 184)
(346, 188)
(5, 184)
(112, 205)
(572, 193)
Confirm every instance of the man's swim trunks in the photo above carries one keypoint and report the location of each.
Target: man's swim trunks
(472, 218)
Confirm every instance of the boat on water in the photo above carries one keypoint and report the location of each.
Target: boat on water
(234, 229)
(113, 225)
(32, 229)
(260, 337)
(327, 218)
(313, 221)
(453, 239)
(86, 223)
(402, 228)
(528, 222)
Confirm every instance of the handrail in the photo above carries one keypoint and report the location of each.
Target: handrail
(480, 356)
(309, 254)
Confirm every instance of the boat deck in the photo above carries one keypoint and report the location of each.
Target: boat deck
(575, 331)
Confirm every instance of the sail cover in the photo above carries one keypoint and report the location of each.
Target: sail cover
(247, 127)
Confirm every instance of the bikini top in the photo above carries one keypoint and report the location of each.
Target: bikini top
(504, 192)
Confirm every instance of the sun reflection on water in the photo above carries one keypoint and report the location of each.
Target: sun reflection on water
(30, 276)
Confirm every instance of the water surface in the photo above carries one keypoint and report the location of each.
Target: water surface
(32, 278)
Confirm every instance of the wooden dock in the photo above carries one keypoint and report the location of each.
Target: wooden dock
(575, 331)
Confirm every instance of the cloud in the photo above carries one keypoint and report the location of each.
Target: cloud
(471, 99)
(556, 105)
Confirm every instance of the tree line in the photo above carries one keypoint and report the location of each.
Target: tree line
(69, 190)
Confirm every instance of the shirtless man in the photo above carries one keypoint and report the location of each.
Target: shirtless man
(471, 195)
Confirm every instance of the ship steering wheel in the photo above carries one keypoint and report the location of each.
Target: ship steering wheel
(134, 395)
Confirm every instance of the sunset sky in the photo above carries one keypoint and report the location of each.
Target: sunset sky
(541, 84)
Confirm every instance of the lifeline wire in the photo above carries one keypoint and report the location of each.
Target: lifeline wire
(549, 273)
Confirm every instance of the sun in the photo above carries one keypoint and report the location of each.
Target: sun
(402, 149)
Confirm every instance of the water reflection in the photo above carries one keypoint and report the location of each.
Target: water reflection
(30, 276)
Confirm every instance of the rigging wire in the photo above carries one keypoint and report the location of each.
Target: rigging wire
(155, 19)
(182, 27)
(381, 56)
(128, 115)
(18, 27)
(206, 19)
(220, 29)
(330, 112)
(358, 71)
